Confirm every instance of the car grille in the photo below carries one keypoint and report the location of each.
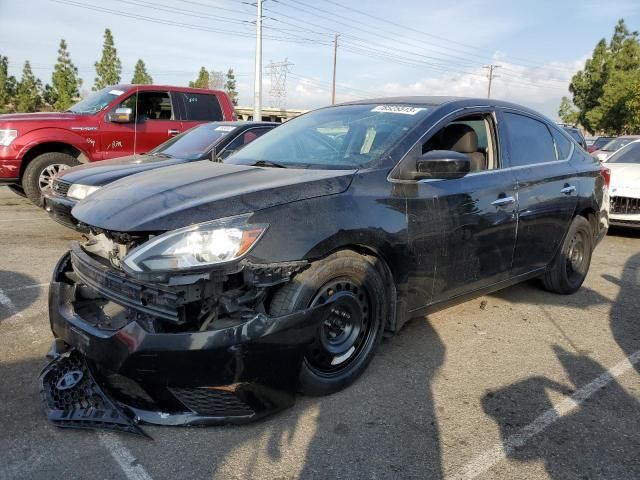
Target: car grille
(625, 205)
(61, 188)
(214, 403)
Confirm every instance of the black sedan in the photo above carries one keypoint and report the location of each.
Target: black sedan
(211, 293)
(210, 141)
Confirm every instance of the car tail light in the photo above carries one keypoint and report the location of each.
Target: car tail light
(591, 149)
(606, 174)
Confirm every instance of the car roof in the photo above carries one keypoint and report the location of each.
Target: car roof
(440, 101)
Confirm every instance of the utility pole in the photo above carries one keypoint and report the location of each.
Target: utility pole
(257, 88)
(335, 58)
(491, 76)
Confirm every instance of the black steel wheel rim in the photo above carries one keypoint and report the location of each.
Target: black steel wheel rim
(347, 329)
(577, 257)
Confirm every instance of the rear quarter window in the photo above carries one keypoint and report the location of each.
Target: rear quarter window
(563, 144)
(201, 107)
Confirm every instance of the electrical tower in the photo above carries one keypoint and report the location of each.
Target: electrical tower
(216, 80)
(278, 92)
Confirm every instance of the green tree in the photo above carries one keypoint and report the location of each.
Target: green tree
(202, 81)
(567, 112)
(49, 96)
(4, 80)
(28, 97)
(230, 86)
(603, 91)
(65, 82)
(140, 74)
(109, 68)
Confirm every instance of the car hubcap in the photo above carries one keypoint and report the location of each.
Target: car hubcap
(345, 329)
(46, 176)
(577, 257)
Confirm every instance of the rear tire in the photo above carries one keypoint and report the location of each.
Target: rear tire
(40, 171)
(347, 339)
(570, 267)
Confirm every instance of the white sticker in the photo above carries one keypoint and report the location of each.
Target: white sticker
(116, 92)
(225, 128)
(403, 109)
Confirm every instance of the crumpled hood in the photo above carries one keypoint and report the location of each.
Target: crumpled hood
(106, 171)
(176, 196)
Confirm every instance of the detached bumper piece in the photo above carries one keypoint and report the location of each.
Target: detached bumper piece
(73, 399)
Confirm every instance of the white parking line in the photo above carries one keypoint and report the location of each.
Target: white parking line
(123, 456)
(25, 287)
(499, 452)
(8, 304)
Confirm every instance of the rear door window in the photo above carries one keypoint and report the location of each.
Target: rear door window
(529, 140)
(201, 107)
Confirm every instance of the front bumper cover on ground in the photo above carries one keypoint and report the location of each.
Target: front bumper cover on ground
(235, 374)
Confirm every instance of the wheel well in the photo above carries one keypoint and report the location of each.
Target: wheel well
(382, 266)
(590, 215)
(50, 147)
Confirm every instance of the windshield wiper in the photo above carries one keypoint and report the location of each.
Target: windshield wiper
(268, 163)
(162, 155)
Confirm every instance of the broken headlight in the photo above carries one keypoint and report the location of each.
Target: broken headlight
(205, 244)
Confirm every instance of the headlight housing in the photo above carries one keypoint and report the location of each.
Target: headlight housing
(197, 246)
(7, 136)
(78, 191)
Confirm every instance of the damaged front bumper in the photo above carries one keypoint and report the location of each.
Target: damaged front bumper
(234, 371)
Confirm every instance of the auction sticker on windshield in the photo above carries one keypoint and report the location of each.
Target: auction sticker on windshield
(116, 92)
(225, 128)
(403, 109)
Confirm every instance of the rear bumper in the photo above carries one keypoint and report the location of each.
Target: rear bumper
(229, 375)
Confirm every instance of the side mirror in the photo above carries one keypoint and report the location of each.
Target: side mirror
(121, 115)
(442, 164)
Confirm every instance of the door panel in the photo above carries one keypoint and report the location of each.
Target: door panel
(478, 228)
(462, 231)
(544, 213)
(547, 190)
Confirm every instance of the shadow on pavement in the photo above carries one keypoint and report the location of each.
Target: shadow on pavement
(597, 439)
(13, 280)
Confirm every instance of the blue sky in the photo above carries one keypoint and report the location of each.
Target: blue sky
(413, 47)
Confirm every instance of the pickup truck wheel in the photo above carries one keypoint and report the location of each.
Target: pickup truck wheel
(569, 269)
(347, 337)
(39, 173)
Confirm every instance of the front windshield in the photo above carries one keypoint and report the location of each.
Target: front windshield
(96, 101)
(628, 154)
(616, 144)
(343, 137)
(194, 143)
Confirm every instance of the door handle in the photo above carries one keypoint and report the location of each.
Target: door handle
(503, 201)
(171, 132)
(568, 189)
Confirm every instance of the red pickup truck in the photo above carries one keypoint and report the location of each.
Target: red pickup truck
(116, 121)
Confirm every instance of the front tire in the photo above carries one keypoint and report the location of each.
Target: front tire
(570, 267)
(40, 172)
(346, 340)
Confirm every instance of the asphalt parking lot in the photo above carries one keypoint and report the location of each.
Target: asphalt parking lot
(519, 384)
